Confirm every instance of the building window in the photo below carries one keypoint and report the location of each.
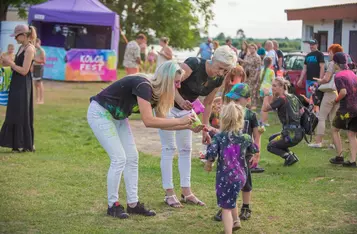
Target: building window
(337, 32)
(309, 32)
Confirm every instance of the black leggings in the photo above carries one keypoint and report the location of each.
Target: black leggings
(279, 143)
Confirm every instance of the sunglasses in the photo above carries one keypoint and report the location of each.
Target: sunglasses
(19, 35)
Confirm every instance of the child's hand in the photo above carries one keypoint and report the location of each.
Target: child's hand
(254, 160)
(208, 166)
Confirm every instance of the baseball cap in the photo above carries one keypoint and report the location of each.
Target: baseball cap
(312, 42)
(240, 90)
(20, 29)
(340, 58)
(261, 51)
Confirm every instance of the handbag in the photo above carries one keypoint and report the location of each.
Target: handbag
(328, 87)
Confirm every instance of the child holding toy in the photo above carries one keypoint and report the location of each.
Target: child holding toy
(230, 145)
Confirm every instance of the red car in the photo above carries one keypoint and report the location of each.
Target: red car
(294, 63)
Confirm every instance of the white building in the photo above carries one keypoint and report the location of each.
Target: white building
(328, 25)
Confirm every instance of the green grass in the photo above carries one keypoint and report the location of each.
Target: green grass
(62, 187)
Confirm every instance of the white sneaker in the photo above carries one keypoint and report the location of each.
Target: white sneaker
(315, 145)
(332, 146)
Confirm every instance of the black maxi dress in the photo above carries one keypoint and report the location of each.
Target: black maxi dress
(17, 131)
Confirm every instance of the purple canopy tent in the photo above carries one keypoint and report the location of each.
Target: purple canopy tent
(80, 38)
(83, 12)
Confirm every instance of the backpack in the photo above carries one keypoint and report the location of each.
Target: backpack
(309, 121)
(305, 115)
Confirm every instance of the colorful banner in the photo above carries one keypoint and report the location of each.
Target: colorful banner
(55, 63)
(91, 65)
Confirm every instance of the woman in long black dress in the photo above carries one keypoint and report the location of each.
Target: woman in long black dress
(17, 131)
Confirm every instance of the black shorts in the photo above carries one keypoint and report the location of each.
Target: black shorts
(37, 72)
(349, 124)
(248, 184)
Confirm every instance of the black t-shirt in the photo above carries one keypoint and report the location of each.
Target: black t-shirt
(198, 83)
(312, 62)
(120, 98)
(281, 105)
(280, 54)
(250, 122)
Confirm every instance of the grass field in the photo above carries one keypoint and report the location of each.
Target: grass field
(62, 187)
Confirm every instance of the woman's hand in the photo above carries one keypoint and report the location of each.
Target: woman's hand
(208, 166)
(186, 105)
(187, 119)
(197, 129)
(206, 139)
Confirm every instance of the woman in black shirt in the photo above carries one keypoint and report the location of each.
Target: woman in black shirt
(202, 78)
(108, 115)
(289, 111)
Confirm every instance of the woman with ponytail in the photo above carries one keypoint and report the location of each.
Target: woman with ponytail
(17, 131)
(267, 76)
(289, 110)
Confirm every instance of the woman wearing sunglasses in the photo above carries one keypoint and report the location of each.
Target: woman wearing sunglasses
(17, 131)
(201, 78)
(108, 114)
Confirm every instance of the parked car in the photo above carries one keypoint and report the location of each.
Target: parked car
(294, 63)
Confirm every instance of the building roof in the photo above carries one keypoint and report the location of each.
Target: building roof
(331, 12)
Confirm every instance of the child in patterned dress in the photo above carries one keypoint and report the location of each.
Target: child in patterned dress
(230, 145)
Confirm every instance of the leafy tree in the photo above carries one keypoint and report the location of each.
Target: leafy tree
(221, 37)
(176, 19)
(240, 34)
(19, 4)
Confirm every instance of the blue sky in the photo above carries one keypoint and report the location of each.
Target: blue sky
(261, 18)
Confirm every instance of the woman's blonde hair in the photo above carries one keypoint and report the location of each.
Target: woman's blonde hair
(32, 34)
(282, 83)
(232, 118)
(165, 40)
(163, 84)
(226, 55)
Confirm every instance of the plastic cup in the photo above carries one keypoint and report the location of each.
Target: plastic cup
(197, 120)
(198, 107)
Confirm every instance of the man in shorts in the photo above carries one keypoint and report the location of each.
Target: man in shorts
(37, 71)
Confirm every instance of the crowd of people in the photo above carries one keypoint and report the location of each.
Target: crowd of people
(228, 85)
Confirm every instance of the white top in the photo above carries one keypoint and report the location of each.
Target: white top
(272, 54)
(160, 59)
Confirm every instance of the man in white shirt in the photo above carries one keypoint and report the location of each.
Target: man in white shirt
(132, 59)
(269, 47)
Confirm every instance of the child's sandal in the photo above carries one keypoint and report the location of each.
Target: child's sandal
(188, 201)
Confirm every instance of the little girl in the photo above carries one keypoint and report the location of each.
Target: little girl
(230, 145)
(267, 76)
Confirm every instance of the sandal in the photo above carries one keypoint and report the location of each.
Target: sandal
(189, 201)
(236, 225)
(176, 204)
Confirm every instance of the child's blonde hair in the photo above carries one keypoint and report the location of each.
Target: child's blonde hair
(232, 118)
(217, 101)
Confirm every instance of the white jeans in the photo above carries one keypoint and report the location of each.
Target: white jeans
(116, 138)
(169, 140)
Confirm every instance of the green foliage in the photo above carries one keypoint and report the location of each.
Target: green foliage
(176, 19)
(285, 44)
(19, 4)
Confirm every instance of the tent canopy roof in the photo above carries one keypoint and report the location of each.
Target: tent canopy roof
(87, 12)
